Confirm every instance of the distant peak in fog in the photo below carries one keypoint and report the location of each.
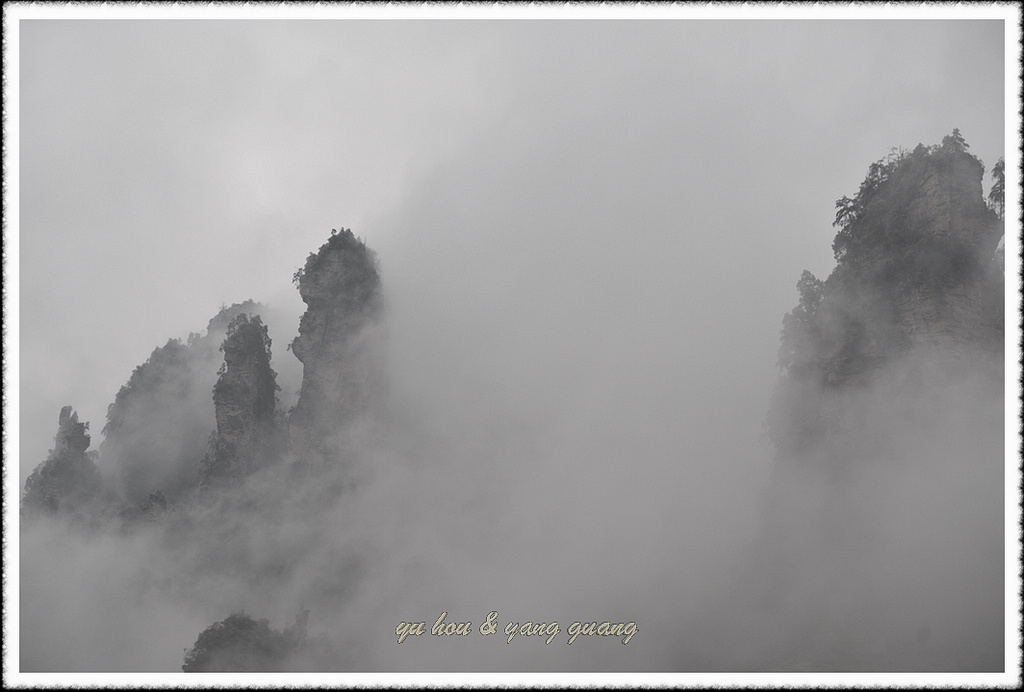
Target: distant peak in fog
(196, 450)
(203, 414)
(68, 480)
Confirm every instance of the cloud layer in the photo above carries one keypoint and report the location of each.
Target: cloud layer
(588, 232)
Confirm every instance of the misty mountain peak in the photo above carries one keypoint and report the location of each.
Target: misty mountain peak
(68, 478)
(914, 269)
(244, 402)
(917, 278)
(340, 285)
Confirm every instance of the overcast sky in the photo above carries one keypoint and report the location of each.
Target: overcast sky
(575, 219)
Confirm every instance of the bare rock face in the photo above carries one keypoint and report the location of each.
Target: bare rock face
(951, 298)
(68, 479)
(340, 285)
(244, 399)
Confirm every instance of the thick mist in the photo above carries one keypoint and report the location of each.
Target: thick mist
(548, 448)
(551, 451)
(585, 259)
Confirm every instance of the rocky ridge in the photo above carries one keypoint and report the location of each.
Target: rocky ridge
(167, 438)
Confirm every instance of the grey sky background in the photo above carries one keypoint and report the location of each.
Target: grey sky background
(589, 232)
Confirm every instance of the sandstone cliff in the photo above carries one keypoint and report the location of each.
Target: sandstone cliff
(917, 278)
(340, 286)
(881, 541)
(244, 401)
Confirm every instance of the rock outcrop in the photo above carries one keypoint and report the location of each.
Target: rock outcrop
(881, 541)
(68, 479)
(917, 276)
(340, 286)
(244, 399)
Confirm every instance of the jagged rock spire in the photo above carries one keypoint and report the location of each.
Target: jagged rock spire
(68, 478)
(244, 400)
(340, 285)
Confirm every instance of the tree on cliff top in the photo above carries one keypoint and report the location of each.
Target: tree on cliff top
(344, 269)
(874, 223)
(239, 643)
